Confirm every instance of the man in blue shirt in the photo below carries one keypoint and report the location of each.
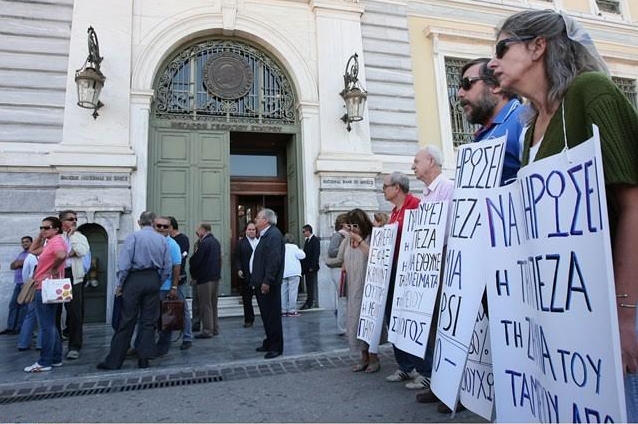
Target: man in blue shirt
(17, 311)
(169, 286)
(497, 111)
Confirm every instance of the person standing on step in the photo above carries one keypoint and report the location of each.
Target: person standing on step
(206, 268)
(243, 256)
(310, 267)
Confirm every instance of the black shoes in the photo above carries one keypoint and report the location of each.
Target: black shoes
(195, 327)
(272, 354)
(142, 363)
(248, 324)
(304, 307)
(103, 366)
(261, 349)
(203, 336)
(186, 345)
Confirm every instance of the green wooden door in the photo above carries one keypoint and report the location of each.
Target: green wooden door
(188, 179)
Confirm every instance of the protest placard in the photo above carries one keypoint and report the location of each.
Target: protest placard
(478, 168)
(417, 277)
(375, 289)
(477, 386)
(553, 320)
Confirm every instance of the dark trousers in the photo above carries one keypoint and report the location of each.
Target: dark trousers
(311, 288)
(247, 300)
(270, 308)
(75, 314)
(17, 312)
(140, 295)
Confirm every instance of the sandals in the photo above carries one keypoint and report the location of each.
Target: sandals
(373, 367)
(360, 366)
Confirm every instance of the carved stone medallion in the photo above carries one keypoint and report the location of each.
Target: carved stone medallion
(228, 76)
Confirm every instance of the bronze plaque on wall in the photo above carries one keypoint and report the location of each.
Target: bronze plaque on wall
(228, 76)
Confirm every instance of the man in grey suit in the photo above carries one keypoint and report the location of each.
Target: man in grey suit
(144, 262)
(266, 272)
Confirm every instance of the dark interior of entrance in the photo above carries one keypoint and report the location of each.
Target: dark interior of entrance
(258, 166)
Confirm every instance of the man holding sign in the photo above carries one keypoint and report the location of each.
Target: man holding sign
(396, 189)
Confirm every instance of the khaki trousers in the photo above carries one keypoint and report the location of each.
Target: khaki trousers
(207, 298)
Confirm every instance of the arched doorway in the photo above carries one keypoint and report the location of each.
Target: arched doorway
(96, 281)
(224, 137)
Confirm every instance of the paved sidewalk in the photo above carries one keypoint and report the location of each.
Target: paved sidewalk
(311, 333)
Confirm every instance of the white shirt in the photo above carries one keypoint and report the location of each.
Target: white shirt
(28, 267)
(253, 243)
(292, 266)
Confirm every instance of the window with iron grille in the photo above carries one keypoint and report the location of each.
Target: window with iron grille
(628, 87)
(609, 6)
(462, 130)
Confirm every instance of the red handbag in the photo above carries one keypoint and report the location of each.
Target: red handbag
(172, 315)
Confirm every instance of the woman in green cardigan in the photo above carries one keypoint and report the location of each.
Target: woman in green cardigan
(548, 58)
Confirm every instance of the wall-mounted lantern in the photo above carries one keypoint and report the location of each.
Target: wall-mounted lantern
(89, 79)
(353, 94)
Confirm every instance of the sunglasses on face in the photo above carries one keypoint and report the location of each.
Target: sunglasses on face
(162, 226)
(46, 228)
(468, 82)
(503, 45)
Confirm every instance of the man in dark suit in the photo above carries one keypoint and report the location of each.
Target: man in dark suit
(310, 267)
(243, 252)
(266, 273)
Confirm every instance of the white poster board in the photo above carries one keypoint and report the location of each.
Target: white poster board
(478, 168)
(417, 278)
(553, 319)
(477, 386)
(375, 289)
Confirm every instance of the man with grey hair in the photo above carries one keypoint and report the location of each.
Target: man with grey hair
(396, 190)
(144, 262)
(266, 273)
(206, 268)
(427, 167)
(497, 111)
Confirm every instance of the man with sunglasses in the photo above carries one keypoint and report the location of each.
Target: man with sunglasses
(497, 111)
(168, 290)
(77, 248)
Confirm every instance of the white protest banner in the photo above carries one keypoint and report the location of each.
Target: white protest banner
(417, 278)
(477, 387)
(375, 289)
(478, 167)
(553, 319)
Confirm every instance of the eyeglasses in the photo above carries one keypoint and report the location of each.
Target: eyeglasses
(70, 219)
(162, 226)
(388, 185)
(502, 46)
(46, 228)
(468, 82)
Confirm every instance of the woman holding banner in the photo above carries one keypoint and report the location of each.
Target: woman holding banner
(548, 58)
(355, 260)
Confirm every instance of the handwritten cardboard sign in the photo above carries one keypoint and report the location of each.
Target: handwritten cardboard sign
(554, 328)
(417, 279)
(478, 168)
(375, 289)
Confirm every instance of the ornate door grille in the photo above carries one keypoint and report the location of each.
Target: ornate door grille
(462, 130)
(184, 91)
(628, 87)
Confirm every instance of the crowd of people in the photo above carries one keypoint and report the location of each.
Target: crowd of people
(542, 56)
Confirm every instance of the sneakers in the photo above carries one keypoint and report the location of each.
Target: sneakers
(419, 383)
(57, 364)
(399, 375)
(294, 314)
(72, 354)
(37, 368)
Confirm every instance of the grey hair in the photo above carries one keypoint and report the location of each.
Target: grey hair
(565, 59)
(270, 216)
(289, 238)
(147, 218)
(400, 179)
(435, 152)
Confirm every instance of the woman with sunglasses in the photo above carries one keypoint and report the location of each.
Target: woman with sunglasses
(51, 258)
(355, 261)
(551, 60)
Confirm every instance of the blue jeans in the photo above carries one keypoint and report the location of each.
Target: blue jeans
(631, 393)
(51, 352)
(28, 325)
(164, 341)
(16, 311)
(408, 362)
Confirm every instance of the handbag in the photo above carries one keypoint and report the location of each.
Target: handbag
(172, 315)
(343, 284)
(27, 292)
(58, 290)
(117, 312)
